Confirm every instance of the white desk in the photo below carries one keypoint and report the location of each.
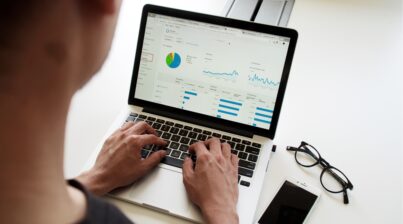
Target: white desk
(344, 96)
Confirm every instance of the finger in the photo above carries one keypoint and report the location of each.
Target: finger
(187, 167)
(214, 146)
(141, 128)
(127, 125)
(199, 148)
(226, 150)
(149, 139)
(153, 160)
(234, 161)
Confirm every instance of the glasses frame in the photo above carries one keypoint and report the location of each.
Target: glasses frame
(326, 167)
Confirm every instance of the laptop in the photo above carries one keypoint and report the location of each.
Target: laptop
(199, 76)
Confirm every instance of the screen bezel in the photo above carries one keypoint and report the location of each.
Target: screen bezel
(285, 32)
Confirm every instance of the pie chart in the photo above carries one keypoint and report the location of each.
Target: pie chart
(173, 60)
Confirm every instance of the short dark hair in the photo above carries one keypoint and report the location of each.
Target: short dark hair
(13, 15)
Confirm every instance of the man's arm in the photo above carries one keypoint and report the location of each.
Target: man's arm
(213, 183)
(119, 163)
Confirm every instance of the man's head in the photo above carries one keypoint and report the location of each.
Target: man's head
(59, 35)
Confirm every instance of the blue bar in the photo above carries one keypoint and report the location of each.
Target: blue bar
(263, 121)
(226, 112)
(228, 107)
(231, 102)
(191, 93)
(263, 109)
(186, 97)
(262, 115)
(254, 124)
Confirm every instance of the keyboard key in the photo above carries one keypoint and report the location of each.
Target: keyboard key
(159, 133)
(232, 144)
(130, 118)
(245, 142)
(174, 130)
(174, 145)
(242, 155)
(201, 137)
(252, 158)
(257, 145)
(247, 164)
(184, 148)
(216, 135)
(237, 140)
(175, 153)
(183, 132)
(184, 155)
(144, 153)
(157, 126)
(197, 130)
(151, 119)
(188, 128)
(134, 115)
(234, 152)
(245, 183)
(252, 150)
(240, 147)
(175, 138)
(226, 137)
(166, 135)
(142, 116)
(158, 147)
(245, 172)
(160, 121)
(165, 128)
(192, 142)
(139, 120)
(192, 135)
(207, 132)
(168, 151)
(185, 140)
(172, 161)
(178, 126)
(169, 123)
(149, 122)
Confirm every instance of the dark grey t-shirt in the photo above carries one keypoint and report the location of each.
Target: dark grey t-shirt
(98, 210)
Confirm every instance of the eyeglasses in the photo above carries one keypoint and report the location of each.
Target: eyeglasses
(331, 178)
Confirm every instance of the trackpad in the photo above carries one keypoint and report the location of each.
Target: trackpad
(163, 189)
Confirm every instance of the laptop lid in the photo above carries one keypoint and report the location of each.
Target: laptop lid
(212, 71)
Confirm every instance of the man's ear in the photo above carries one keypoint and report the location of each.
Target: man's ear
(105, 6)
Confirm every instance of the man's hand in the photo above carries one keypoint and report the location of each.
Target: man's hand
(119, 162)
(213, 183)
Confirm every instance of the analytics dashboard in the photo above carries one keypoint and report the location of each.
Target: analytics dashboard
(219, 71)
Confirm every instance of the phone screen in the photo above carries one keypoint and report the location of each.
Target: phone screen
(291, 205)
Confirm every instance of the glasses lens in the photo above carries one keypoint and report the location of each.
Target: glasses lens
(333, 180)
(307, 158)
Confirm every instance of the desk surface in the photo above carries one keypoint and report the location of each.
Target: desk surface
(344, 96)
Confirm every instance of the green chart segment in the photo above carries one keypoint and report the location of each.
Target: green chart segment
(173, 60)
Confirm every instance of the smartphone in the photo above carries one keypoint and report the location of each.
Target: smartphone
(292, 204)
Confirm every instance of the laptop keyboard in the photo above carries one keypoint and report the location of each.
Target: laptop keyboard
(179, 137)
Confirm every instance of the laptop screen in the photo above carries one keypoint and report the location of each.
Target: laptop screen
(214, 70)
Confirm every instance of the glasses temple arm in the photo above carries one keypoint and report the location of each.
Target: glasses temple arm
(345, 197)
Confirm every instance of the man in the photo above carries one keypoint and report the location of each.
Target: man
(48, 50)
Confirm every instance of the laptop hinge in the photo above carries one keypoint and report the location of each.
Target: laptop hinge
(200, 122)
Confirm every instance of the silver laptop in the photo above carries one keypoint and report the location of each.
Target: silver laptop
(198, 76)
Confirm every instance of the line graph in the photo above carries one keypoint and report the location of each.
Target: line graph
(257, 80)
(225, 75)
